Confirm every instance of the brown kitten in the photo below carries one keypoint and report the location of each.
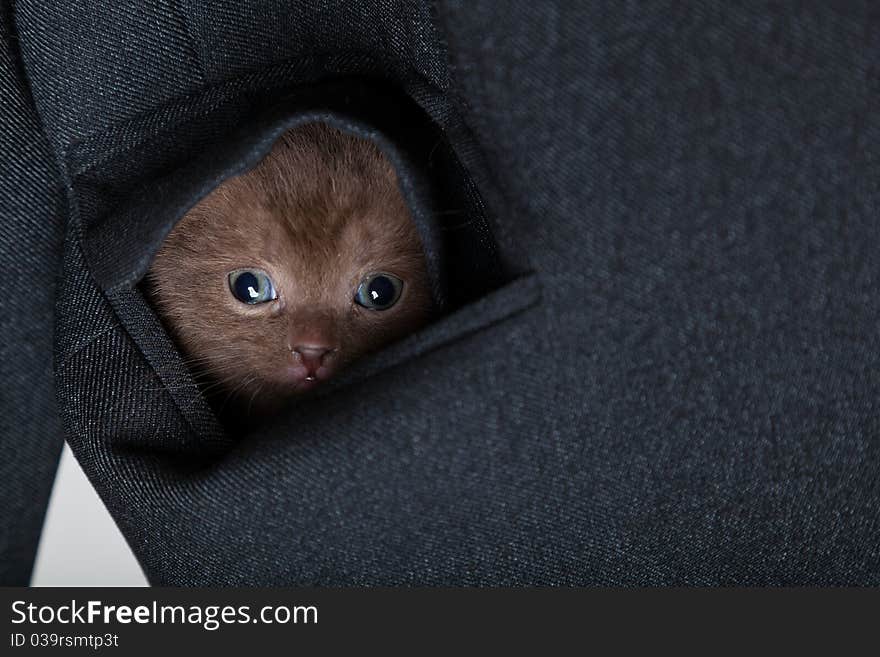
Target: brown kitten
(283, 275)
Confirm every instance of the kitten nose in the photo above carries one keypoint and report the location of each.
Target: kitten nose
(312, 356)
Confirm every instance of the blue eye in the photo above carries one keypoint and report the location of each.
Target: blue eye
(251, 286)
(378, 291)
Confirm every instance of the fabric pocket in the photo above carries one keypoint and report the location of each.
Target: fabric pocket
(122, 379)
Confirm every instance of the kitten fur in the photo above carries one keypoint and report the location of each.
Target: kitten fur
(318, 214)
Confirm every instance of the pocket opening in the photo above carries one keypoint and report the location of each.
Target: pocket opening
(477, 290)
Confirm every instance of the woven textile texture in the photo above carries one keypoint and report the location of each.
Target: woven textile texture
(659, 226)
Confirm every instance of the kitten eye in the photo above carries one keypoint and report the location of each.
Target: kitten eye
(251, 286)
(378, 291)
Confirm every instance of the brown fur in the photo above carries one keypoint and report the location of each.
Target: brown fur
(320, 212)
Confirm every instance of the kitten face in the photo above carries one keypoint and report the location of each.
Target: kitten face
(284, 275)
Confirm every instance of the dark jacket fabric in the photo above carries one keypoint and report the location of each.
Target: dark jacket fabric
(654, 229)
(32, 218)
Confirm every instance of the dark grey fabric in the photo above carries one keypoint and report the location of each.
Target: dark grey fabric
(31, 227)
(663, 364)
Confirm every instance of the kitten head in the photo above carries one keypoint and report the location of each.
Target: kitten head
(284, 275)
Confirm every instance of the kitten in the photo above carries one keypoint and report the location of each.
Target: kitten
(284, 275)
